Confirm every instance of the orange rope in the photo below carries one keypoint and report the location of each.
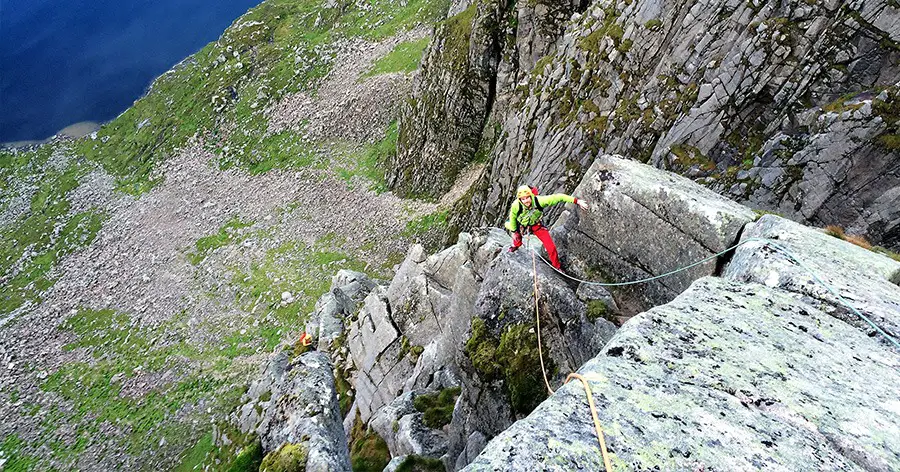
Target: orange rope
(537, 317)
(587, 387)
(597, 428)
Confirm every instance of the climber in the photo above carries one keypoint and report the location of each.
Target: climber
(526, 213)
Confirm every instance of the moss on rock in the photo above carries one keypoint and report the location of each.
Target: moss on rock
(597, 309)
(415, 463)
(437, 407)
(515, 359)
(249, 458)
(368, 451)
(481, 349)
(287, 458)
(456, 32)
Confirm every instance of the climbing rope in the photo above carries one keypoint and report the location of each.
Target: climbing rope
(778, 248)
(587, 388)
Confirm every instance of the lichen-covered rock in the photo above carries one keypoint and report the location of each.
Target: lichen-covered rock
(326, 323)
(501, 364)
(405, 336)
(287, 458)
(727, 376)
(416, 301)
(378, 352)
(645, 222)
(865, 279)
(295, 403)
(403, 428)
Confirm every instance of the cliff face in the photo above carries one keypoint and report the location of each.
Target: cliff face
(480, 53)
(791, 106)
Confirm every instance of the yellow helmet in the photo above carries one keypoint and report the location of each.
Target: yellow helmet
(524, 191)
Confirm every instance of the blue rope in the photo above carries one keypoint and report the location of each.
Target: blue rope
(768, 242)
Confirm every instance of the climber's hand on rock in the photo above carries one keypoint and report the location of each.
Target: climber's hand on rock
(583, 204)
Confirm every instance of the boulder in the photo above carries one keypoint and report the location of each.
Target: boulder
(645, 222)
(416, 299)
(379, 353)
(401, 425)
(728, 376)
(295, 403)
(865, 279)
(326, 323)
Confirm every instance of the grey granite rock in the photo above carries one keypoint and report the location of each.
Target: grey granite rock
(707, 90)
(645, 222)
(402, 428)
(865, 279)
(727, 376)
(375, 348)
(832, 169)
(296, 402)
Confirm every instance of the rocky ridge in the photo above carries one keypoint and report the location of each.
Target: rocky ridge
(742, 363)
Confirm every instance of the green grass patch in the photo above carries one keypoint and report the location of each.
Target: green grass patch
(840, 105)
(426, 223)
(597, 309)
(227, 234)
(456, 32)
(688, 156)
(221, 92)
(368, 451)
(609, 27)
(370, 161)
(304, 272)
(32, 246)
(414, 463)
(121, 351)
(287, 458)
(16, 458)
(437, 407)
(405, 57)
(243, 453)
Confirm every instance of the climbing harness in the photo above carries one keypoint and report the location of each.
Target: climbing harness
(584, 382)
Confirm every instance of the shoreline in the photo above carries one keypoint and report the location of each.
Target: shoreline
(73, 131)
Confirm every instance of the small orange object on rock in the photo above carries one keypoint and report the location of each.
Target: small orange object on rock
(305, 339)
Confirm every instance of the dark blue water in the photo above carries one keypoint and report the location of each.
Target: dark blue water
(67, 61)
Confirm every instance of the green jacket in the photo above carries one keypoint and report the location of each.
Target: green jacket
(521, 216)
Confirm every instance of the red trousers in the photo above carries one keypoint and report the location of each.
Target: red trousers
(541, 232)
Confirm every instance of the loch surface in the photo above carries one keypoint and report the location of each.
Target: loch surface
(69, 61)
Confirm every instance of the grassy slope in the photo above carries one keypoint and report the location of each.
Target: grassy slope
(279, 47)
(219, 93)
(48, 231)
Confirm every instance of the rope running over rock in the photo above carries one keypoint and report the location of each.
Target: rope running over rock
(584, 382)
